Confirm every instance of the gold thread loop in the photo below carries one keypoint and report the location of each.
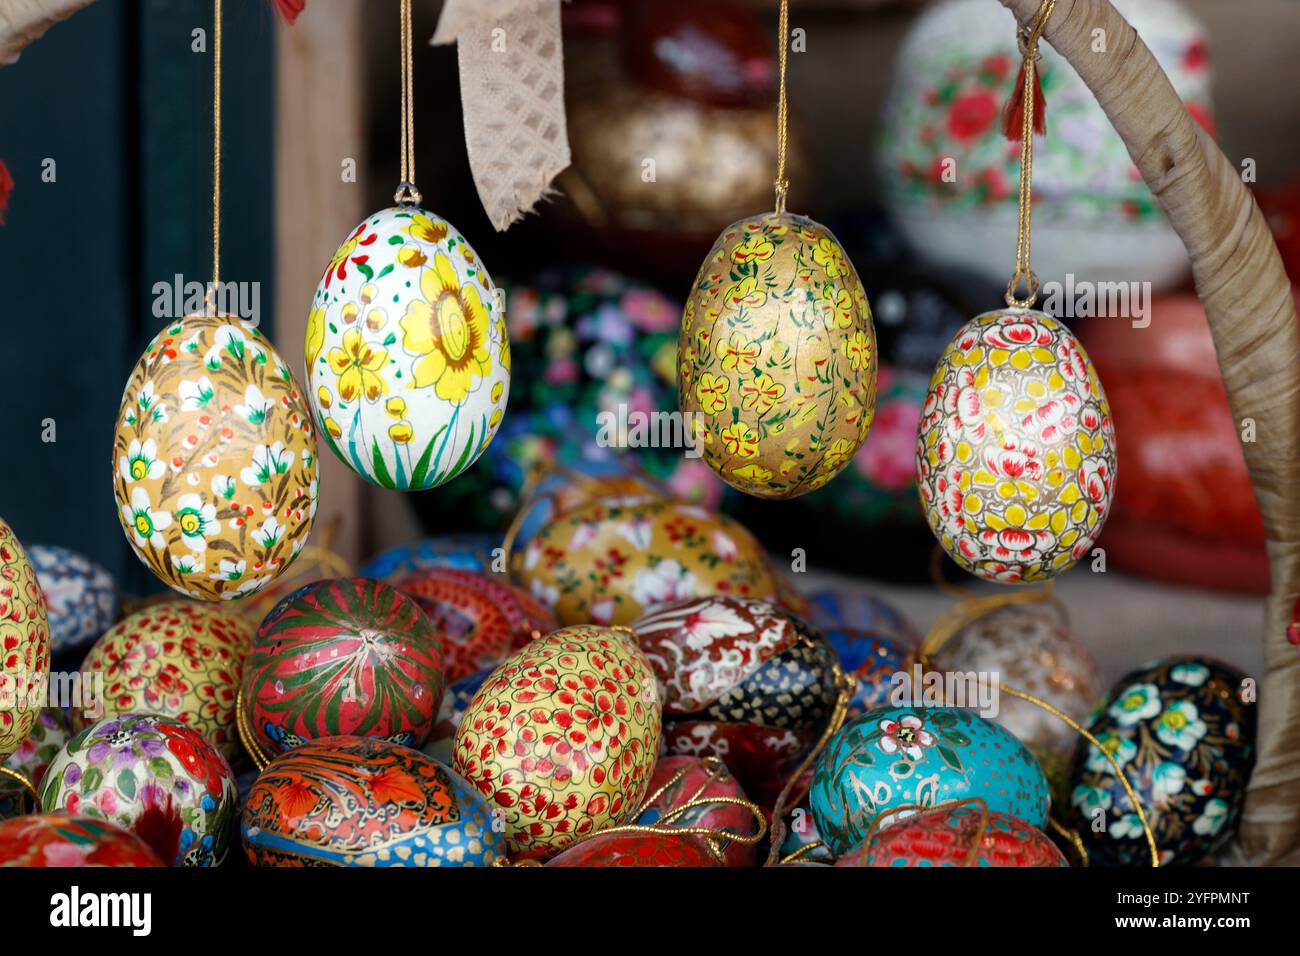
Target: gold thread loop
(26, 784)
(1027, 37)
(246, 736)
(210, 299)
(782, 185)
(407, 194)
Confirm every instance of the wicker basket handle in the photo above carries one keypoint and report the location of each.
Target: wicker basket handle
(1247, 298)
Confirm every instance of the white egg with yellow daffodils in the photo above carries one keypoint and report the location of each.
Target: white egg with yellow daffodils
(408, 361)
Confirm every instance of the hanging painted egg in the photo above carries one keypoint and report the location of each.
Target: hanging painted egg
(960, 834)
(81, 598)
(60, 840)
(408, 360)
(24, 644)
(855, 612)
(214, 459)
(638, 849)
(353, 801)
(607, 563)
(153, 776)
(471, 551)
(920, 756)
(1031, 647)
(777, 357)
(742, 681)
(1015, 459)
(347, 656)
(180, 659)
(49, 733)
(563, 736)
(480, 617)
(686, 792)
(1186, 742)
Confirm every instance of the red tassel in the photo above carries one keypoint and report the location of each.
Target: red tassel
(160, 826)
(289, 9)
(1013, 114)
(6, 188)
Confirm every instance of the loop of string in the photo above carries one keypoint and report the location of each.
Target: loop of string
(781, 184)
(26, 784)
(1027, 37)
(210, 298)
(407, 194)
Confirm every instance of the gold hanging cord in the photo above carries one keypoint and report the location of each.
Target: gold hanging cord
(1027, 37)
(782, 185)
(407, 194)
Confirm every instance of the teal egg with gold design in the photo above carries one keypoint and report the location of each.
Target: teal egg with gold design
(897, 757)
(407, 352)
(347, 656)
(1184, 737)
(355, 801)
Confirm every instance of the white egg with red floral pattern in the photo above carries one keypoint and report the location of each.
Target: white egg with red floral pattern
(408, 360)
(1015, 459)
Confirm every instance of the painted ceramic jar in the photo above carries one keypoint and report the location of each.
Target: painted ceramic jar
(180, 659)
(1015, 459)
(466, 552)
(1030, 647)
(343, 657)
(949, 177)
(81, 597)
(480, 618)
(1185, 740)
(563, 736)
(59, 840)
(49, 733)
(638, 849)
(608, 563)
(153, 776)
(214, 459)
(408, 358)
(24, 644)
(353, 801)
(680, 791)
(777, 357)
(960, 834)
(920, 756)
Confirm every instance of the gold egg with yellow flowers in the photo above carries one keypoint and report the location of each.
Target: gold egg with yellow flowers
(777, 357)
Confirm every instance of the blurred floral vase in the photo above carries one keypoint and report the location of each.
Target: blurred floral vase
(950, 176)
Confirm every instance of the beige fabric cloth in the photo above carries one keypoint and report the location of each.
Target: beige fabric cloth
(22, 21)
(1247, 298)
(512, 90)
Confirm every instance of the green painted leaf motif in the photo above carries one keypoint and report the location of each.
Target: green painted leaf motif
(92, 780)
(126, 784)
(365, 270)
(161, 768)
(395, 240)
(422, 465)
(381, 469)
(385, 270)
(949, 757)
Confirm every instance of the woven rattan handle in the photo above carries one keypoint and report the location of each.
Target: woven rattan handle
(1247, 298)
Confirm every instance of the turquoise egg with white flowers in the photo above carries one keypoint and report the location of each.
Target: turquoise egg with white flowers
(897, 757)
(408, 359)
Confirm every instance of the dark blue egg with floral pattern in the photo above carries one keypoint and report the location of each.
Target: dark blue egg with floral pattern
(81, 598)
(1182, 734)
(920, 757)
(470, 551)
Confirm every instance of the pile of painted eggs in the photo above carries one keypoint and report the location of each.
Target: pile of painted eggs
(644, 689)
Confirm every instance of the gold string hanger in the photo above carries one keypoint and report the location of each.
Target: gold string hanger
(210, 298)
(782, 185)
(1027, 37)
(407, 194)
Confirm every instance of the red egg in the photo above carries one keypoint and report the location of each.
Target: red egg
(682, 788)
(60, 840)
(481, 618)
(957, 835)
(638, 849)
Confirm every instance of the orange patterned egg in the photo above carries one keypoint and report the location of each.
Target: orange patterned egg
(562, 737)
(181, 659)
(1015, 460)
(24, 644)
(607, 563)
